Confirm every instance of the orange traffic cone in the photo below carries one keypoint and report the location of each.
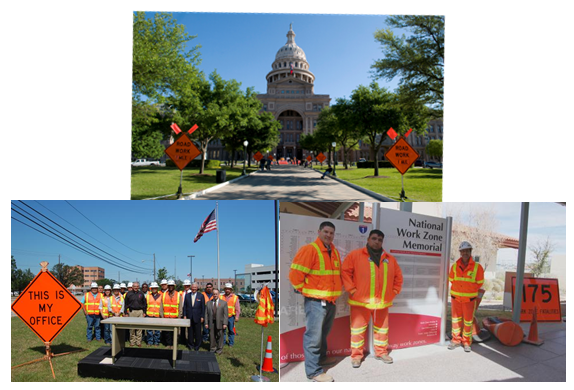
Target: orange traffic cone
(268, 361)
(533, 333)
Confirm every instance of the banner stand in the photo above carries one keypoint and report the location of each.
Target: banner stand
(447, 245)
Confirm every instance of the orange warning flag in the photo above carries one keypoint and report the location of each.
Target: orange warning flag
(266, 311)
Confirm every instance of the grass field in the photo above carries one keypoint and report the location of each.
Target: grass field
(236, 364)
(154, 181)
(420, 184)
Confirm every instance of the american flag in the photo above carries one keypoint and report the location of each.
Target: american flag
(207, 226)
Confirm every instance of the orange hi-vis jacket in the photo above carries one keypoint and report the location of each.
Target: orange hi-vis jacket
(368, 285)
(465, 282)
(92, 304)
(115, 304)
(207, 299)
(153, 305)
(315, 274)
(171, 305)
(105, 302)
(231, 300)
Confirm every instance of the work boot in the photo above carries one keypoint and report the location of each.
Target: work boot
(385, 358)
(453, 345)
(466, 348)
(324, 377)
(356, 363)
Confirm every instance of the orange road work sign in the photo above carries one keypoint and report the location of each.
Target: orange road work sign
(402, 155)
(46, 306)
(542, 294)
(182, 151)
(309, 158)
(258, 156)
(320, 157)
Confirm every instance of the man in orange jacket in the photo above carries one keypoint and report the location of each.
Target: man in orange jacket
(466, 278)
(372, 277)
(316, 273)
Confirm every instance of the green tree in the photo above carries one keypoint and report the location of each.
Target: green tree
(316, 142)
(105, 281)
(68, 275)
(417, 59)
(162, 65)
(162, 273)
(541, 252)
(19, 278)
(434, 148)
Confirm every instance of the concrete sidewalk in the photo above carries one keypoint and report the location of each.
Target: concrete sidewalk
(289, 183)
(489, 361)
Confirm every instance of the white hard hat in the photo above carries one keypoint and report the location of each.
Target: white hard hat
(228, 285)
(107, 287)
(123, 285)
(116, 286)
(94, 284)
(163, 281)
(465, 245)
(153, 285)
(170, 283)
(186, 282)
(130, 284)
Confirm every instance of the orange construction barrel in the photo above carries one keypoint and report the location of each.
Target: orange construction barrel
(506, 331)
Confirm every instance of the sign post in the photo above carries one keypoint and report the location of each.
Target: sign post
(182, 152)
(402, 156)
(46, 307)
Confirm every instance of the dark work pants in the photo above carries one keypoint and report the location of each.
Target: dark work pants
(194, 335)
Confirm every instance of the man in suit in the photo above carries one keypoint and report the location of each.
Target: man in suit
(216, 321)
(194, 309)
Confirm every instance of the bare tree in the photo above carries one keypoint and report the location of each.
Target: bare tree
(541, 251)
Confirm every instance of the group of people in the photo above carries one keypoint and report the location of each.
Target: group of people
(373, 278)
(212, 315)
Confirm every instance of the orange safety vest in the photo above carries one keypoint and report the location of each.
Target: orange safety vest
(153, 305)
(117, 306)
(207, 299)
(375, 286)
(171, 308)
(105, 303)
(315, 274)
(230, 303)
(92, 304)
(465, 283)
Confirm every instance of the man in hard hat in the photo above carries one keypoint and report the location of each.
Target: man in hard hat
(154, 310)
(194, 310)
(216, 321)
(92, 303)
(373, 278)
(123, 289)
(208, 294)
(234, 310)
(172, 308)
(316, 273)
(466, 278)
(136, 306)
(163, 286)
(183, 332)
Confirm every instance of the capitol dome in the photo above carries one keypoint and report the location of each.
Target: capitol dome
(290, 50)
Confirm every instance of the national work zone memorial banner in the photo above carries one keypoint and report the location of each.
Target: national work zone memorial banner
(416, 241)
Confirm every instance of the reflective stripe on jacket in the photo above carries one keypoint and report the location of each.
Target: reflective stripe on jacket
(231, 300)
(315, 274)
(374, 287)
(153, 305)
(117, 305)
(105, 306)
(465, 283)
(171, 305)
(92, 304)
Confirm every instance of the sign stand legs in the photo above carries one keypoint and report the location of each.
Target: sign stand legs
(260, 377)
(179, 190)
(49, 356)
(403, 196)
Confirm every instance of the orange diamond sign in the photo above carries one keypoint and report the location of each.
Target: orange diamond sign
(402, 155)
(321, 157)
(46, 306)
(182, 151)
(258, 156)
(309, 158)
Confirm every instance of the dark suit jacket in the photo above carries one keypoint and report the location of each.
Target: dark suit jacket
(216, 318)
(196, 312)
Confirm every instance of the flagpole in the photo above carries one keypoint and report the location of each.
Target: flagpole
(217, 222)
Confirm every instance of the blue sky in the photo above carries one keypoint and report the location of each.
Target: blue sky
(340, 49)
(545, 220)
(166, 228)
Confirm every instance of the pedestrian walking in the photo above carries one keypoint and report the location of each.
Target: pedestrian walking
(315, 273)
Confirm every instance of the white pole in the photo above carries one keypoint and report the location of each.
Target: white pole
(446, 269)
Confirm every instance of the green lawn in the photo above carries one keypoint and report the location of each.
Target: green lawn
(236, 364)
(424, 185)
(154, 181)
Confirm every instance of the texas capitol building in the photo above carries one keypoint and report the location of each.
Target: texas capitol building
(292, 100)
